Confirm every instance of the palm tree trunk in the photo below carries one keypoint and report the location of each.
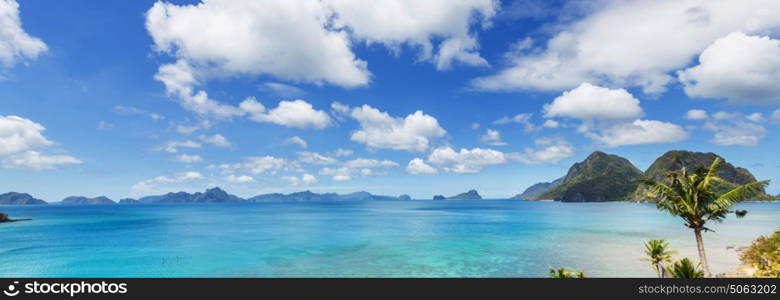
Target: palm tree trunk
(702, 256)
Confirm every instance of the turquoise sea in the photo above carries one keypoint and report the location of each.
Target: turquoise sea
(486, 238)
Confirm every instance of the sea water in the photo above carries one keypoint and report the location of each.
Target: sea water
(486, 238)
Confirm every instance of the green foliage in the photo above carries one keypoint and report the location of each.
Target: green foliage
(601, 177)
(684, 268)
(695, 198)
(658, 254)
(764, 255)
(565, 273)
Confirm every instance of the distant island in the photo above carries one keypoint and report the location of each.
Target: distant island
(470, 195)
(85, 200)
(603, 177)
(14, 198)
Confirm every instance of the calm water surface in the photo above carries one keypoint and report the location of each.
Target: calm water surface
(487, 238)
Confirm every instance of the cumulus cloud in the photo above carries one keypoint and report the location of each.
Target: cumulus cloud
(359, 167)
(305, 179)
(281, 89)
(295, 113)
(590, 102)
(180, 82)
(630, 43)
(611, 117)
(379, 130)
(639, 132)
(419, 24)
(296, 140)
(523, 119)
(187, 158)
(735, 129)
(549, 150)
(216, 140)
(492, 137)
(16, 45)
(290, 40)
(696, 114)
(20, 140)
(465, 160)
(239, 179)
(418, 166)
(315, 158)
(130, 110)
(342, 152)
(551, 124)
(173, 146)
(152, 184)
(738, 67)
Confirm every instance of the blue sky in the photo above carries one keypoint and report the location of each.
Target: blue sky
(133, 98)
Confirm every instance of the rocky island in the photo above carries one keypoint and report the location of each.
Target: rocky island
(470, 195)
(14, 198)
(604, 177)
(85, 200)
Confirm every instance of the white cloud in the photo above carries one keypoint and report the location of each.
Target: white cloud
(551, 124)
(258, 165)
(369, 163)
(631, 43)
(19, 140)
(180, 81)
(315, 158)
(359, 167)
(239, 179)
(381, 131)
(524, 119)
(296, 140)
(639, 132)
(492, 137)
(590, 102)
(290, 40)
(16, 45)
(216, 140)
(296, 113)
(173, 146)
(465, 161)
(418, 166)
(737, 67)
(475, 125)
(187, 158)
(130, 110)
(305, 179)
(152, 184)
(419, 24)
(736, 129)
(36, 161)
(281, 89)
(342, 152)
(549, 150)
(696, 114)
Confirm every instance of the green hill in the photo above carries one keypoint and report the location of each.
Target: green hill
(601, 177)
(677, 159)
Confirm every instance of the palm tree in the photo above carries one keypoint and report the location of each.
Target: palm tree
(658, 254)
(695, 198)
(564, 273)
(684, 268)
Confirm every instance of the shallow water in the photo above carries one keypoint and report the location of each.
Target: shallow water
(487, 238)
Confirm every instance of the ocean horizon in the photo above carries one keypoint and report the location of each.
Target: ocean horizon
(464, 238)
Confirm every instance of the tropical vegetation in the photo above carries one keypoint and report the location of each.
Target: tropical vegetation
(764, 255)
(657, 254)
(696, 198)
(566, 273)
